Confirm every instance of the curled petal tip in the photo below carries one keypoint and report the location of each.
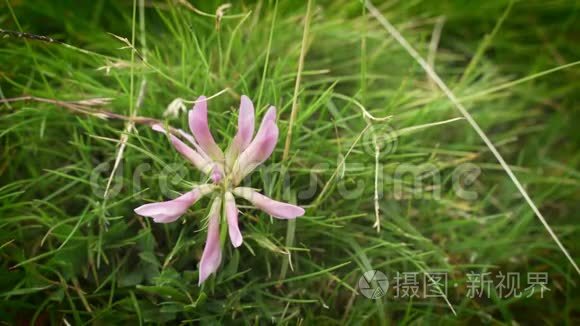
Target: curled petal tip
(270, 115)
(158, 127)
(296, 211)
(284, 210)
(236, 242)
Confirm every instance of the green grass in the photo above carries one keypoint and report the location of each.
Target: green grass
(68, 254)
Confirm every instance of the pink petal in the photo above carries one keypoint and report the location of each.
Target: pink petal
(259, 150)
(245, 130)
(197, 156)
(212, 252)
(201, 163)
(269, 116)
(232, 217)
(268, 205)
(158, 127)
(200, 129)
(192, 141)
(169, 211)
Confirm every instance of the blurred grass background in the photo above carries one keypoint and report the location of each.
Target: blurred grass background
(69, 256)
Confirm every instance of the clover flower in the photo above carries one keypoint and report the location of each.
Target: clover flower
(226, 171)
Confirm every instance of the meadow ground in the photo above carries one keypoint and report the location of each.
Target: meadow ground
(373, 137)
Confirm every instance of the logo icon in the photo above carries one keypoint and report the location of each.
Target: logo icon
(373, 284)
(382, 138)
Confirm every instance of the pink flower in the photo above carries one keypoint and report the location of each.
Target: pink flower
(170, 211)
(226, 171)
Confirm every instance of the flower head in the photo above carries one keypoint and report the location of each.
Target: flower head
(226, 171)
